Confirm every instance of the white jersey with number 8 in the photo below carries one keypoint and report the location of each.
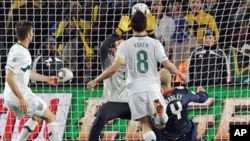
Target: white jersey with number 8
(141, 54)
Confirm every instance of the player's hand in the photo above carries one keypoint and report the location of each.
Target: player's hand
(200, 89)
(183, 77)
(53, 80)
(23, 106)
(124, 25)
(91, 85)
(150, 23)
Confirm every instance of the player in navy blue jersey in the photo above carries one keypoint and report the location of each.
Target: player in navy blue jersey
(179, 127)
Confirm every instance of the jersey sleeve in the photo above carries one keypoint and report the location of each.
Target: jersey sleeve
(120, 54)
(160, 53)
(15, 62)
(198, 97)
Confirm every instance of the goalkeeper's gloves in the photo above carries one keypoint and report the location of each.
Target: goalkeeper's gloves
(150, 24)
(124, 25)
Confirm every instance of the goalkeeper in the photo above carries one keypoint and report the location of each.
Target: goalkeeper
(179, 127)
(115, 97)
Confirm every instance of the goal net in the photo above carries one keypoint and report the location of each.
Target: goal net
(207, 40)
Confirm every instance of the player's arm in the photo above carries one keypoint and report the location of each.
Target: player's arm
(150, 25)
(105, 46)
(200, 96)
(163, 59)
(172, 68)
(10, 78)
(52, 80)
(105, 74)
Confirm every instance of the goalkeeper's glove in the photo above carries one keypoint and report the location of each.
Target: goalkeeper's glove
(124, 25)
(150, 24)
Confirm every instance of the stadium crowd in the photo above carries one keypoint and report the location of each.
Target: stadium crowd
(79, 28)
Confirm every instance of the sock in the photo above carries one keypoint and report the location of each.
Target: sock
(28, 127)
(149, 136)
(160, 120)
(53, 131)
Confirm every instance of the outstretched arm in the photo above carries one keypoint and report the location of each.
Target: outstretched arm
(106, 74)
(105, 46)
(201, 94)
(52, 80)
(172, 68)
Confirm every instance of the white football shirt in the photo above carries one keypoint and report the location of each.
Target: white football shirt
(141, 54)
(18, 61)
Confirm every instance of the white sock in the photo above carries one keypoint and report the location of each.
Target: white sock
(149, 136)
(160, 120)
(53, 131)
(28, 127)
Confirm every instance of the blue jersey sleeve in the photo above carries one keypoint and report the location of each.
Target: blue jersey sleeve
(198, 97)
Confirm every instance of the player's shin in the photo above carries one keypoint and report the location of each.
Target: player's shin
(28, 127)
(53, 131)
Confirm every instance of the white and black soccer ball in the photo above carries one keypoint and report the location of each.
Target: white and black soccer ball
(140, 7)
(65, 74)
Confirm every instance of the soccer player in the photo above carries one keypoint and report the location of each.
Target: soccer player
(140, 54)
(17, 95)
(115, 96)
(179, 127)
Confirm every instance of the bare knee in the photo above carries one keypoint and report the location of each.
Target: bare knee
(36, 118)
(48, 116)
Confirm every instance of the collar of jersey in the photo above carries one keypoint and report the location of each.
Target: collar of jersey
(140, 35)
(168, 92)
(22, 45)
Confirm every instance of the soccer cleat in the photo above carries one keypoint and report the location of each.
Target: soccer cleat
(159, 107)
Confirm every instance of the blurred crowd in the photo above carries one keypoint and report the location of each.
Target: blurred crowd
(69, 33)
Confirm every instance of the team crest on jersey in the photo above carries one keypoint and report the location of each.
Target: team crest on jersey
(14, 59)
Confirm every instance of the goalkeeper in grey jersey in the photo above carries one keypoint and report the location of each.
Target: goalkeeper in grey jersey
(115, 97)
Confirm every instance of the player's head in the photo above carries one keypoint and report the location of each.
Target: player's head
(50, 46)
(209, 37)
(165, 77)
(116, 44)
(24, 30)
(138, 21)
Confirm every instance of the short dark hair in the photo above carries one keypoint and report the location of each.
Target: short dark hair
(113, 45)
(209, 32)
(22, 29)
(138, 21)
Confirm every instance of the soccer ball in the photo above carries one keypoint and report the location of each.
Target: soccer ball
(65, 74)
(140, 7)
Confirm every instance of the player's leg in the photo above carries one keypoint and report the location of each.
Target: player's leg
(108, 111)
(148, 133)
(37, 107)
(50, 118)
(139, 106)
(28, 127)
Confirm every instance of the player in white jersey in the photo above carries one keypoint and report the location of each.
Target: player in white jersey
(141, 53)
(17, 95)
